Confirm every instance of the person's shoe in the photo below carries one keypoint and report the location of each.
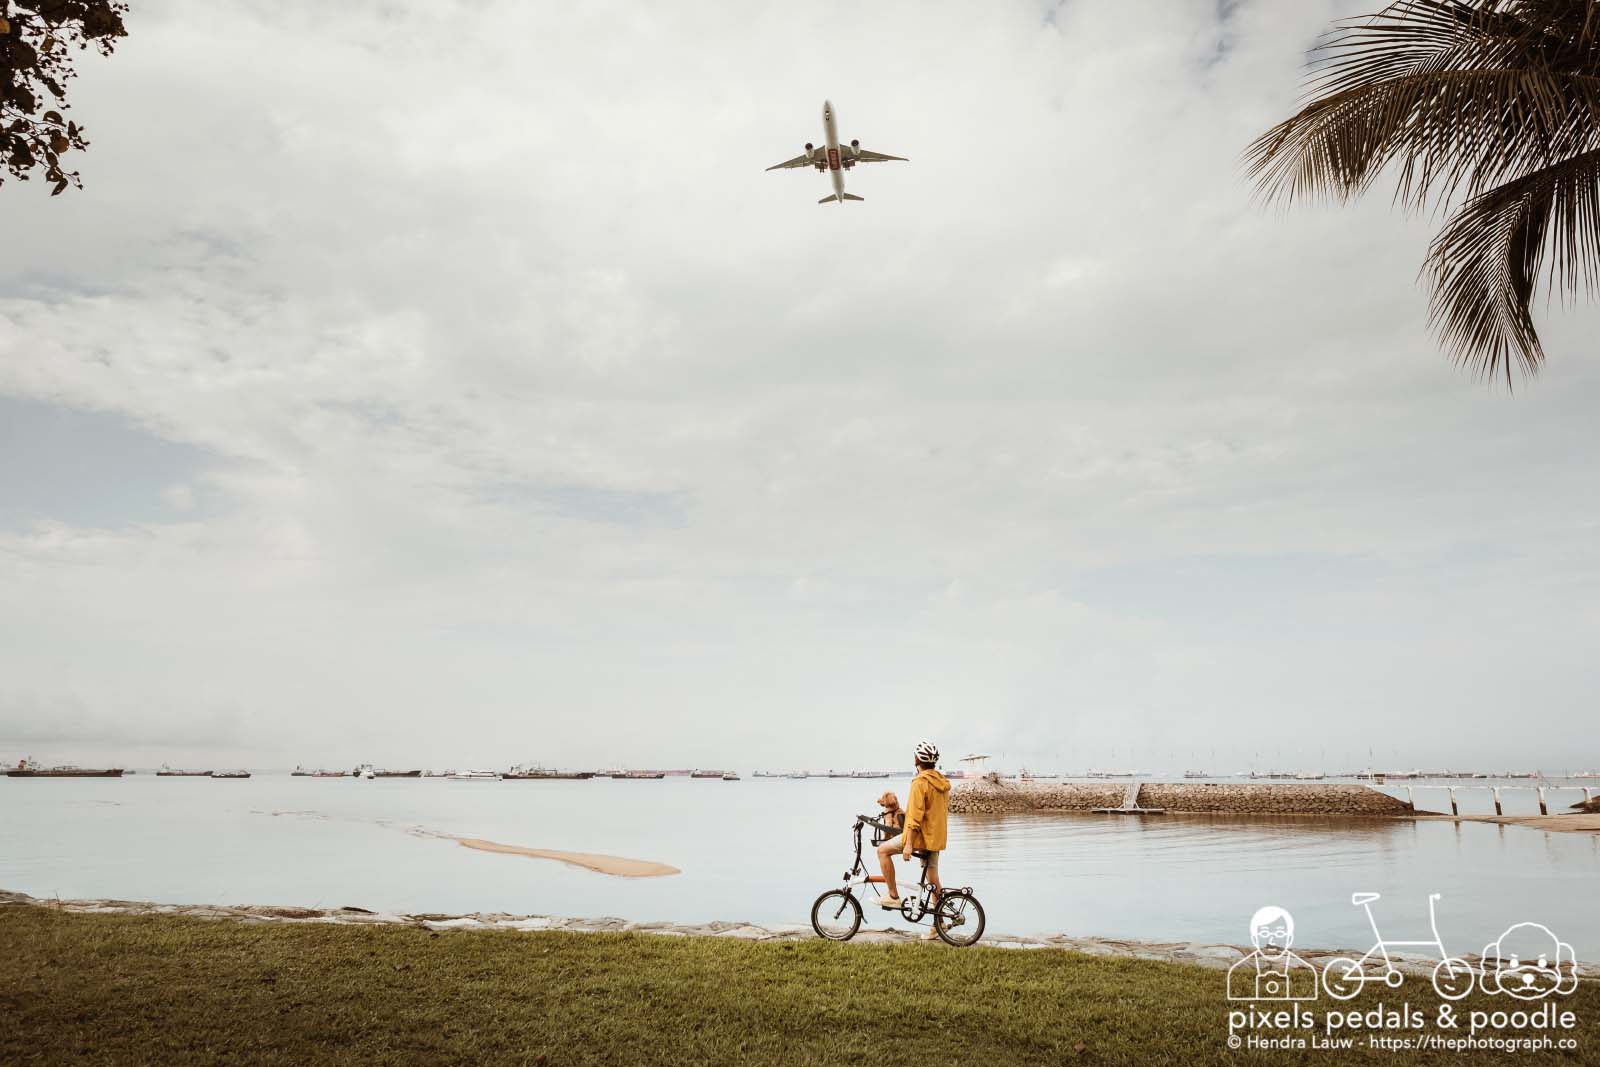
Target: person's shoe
(890, 903)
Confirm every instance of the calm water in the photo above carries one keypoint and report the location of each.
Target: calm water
(760, 850)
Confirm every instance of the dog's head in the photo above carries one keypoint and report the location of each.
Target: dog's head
(1530, 963)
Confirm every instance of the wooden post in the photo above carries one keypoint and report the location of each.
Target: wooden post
(1410, 799)
(1453, 809)
(1497, 810)
(1543, 810)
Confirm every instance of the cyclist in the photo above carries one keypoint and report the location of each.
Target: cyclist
(926, 819)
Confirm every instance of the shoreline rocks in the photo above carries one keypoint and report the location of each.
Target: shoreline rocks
(1192, 953)
(989, 796)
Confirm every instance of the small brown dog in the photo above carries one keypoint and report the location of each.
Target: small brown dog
(893, 818)
(892, 815)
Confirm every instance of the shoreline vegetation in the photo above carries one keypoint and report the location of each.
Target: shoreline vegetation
(173, 988)
(1190, 953)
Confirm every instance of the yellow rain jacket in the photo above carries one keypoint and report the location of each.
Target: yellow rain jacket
(928, 811)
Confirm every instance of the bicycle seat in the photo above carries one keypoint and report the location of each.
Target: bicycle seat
(1359, 899)
(920, 853)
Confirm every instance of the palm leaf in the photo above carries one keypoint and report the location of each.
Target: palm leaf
(1461, 95)
(1497, 101)
(1486, 262)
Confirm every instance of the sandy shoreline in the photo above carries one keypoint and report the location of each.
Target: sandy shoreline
(1565, 824)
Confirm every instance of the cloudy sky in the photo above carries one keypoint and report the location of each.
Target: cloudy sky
(448, 384)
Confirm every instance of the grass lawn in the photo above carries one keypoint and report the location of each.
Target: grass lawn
(154, 989)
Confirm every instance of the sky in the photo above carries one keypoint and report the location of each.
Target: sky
(449, 384)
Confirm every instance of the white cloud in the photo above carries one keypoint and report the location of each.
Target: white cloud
(543, 413)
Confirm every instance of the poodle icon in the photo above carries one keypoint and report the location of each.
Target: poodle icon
(1529, 962)
(1272, 972)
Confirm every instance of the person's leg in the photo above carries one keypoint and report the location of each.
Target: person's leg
(886, 854)
(931, 875)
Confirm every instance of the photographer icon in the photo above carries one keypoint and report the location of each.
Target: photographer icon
(1272, 972)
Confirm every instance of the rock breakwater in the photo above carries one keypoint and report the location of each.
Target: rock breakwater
(986, 796)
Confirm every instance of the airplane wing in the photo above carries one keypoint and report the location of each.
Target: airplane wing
(864, 156)
(797, 161)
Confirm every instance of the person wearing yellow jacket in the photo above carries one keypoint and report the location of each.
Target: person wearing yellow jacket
(926, 823)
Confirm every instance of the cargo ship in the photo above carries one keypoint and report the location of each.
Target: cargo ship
(520, 773)
(650, 776)
(710, 774)
(30, 769)
(229, 774)
(168, 772)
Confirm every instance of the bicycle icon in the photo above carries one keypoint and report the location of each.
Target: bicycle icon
(1344, 977)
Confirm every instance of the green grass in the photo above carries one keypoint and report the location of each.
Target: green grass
(155, 989)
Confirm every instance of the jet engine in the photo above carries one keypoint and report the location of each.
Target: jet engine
(810, 149)
(855, 148)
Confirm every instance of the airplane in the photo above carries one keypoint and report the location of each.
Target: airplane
(834, 157)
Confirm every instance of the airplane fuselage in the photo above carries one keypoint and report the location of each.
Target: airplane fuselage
(830, 140)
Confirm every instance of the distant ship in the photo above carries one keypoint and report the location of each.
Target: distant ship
(640, 775)
(168, 772)
(472, 776)
(379, 772)
(230, 774)
(1196, 774)
(30, 769)
(730, 777)
(869, 774)
(710, 774)
(520, 773)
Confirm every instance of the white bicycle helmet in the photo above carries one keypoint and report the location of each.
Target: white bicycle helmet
(927, 752)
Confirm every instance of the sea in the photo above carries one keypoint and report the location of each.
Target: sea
(761, 849)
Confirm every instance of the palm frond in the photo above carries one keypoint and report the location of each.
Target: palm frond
(1486, 262)
(1461, 94)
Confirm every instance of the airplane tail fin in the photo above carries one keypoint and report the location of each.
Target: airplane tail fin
(846, 196)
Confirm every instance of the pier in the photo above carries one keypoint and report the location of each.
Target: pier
(1130, 804)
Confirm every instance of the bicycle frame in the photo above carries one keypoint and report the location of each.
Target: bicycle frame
(1380, 950)
(858, 875)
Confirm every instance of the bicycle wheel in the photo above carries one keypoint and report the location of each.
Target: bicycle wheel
(958, 918)
(1453, 978)
(1342, 977)
(836, 915)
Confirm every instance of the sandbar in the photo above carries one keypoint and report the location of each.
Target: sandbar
(620, 866)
